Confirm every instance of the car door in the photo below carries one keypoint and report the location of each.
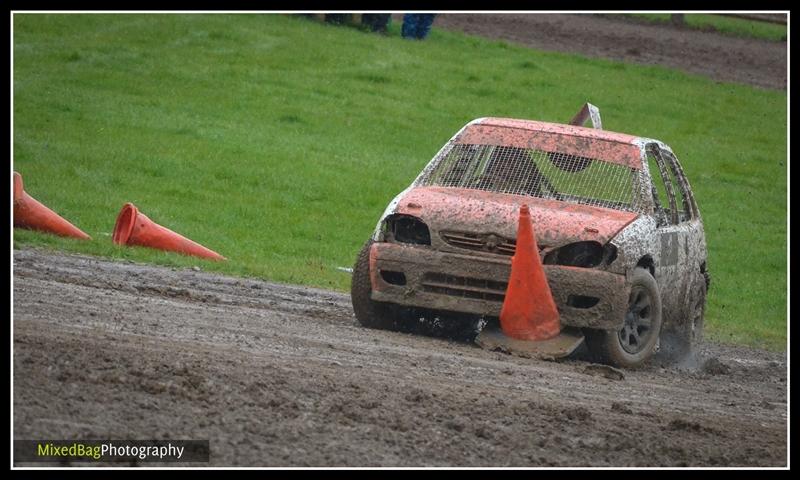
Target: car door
(677, 222)
(692, 265)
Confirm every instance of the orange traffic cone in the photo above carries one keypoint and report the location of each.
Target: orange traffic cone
(134, 228)
(529, 311)
(30, 214)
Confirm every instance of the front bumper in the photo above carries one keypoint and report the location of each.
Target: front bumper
(476, 284)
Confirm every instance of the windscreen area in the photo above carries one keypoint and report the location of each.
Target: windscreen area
(536, 173)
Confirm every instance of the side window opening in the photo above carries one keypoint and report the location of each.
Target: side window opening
(681, 195)
(662, 192)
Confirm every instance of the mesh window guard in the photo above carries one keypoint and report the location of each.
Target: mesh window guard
(535, 173)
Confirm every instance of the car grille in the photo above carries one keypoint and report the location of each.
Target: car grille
(464, 287)
(486, 242)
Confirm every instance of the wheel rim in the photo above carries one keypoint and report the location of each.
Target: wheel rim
(636, 333)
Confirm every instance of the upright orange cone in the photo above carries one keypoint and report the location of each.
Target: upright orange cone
(134, 228)
(529, 311)
(30, 214)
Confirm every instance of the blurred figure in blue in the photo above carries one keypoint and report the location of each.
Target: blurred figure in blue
(417, 25)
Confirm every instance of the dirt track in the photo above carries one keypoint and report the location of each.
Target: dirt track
(722, 57)
(276, 375)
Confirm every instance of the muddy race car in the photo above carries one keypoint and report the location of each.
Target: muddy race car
(619, 234)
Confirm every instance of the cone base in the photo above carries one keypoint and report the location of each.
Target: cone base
(562, 345)
(124, 224)
(528, 327)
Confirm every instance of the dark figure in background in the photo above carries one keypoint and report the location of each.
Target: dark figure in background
(417, 25)
(338, 18)
(377, 22)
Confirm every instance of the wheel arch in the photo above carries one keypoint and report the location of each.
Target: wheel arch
(648, 263)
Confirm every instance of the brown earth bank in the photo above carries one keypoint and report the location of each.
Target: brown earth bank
(722, 57)
(277, 375)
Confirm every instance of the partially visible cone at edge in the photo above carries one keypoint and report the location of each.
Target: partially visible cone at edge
(30, 214)
(529, 311)
(134, 228)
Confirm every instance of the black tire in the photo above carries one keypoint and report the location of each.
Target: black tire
(696, 325)
(635, 343)
(369, 313)
(685, 337)
(682, 340)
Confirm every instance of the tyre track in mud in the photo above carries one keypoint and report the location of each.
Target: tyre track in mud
(278, 375)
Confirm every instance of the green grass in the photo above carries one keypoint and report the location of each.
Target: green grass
(739, 27)
(278, 141)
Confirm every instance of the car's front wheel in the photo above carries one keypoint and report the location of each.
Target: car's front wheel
(636, 341)
(369, 313)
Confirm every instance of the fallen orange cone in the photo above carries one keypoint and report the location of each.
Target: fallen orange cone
(134, 228)
(529, 311)
(30, 214)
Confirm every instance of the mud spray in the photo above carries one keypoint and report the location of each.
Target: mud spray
(674, 353)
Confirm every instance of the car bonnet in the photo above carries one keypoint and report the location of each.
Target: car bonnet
(554, 222)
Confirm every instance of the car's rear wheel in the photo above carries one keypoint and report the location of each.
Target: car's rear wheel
(636, 341)
(369, 313)
(690, 333)
(693, 330)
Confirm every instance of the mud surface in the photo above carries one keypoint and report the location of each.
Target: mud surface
(277, 375)
(722, 57)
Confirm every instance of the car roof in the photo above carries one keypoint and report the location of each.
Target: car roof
(611, 147)
(559, 128)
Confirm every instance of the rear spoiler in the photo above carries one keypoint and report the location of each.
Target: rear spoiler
(588, 111)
